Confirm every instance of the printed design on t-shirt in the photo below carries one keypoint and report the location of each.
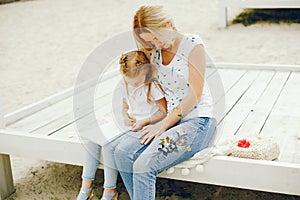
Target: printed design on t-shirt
(174, 76)
(175, 88)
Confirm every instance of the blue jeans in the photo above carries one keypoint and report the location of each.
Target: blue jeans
(139, 164)
(90, 165)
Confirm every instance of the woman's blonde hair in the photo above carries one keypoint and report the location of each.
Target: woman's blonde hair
(151, 19)
(133, 64)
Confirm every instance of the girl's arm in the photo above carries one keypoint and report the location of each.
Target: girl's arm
(158, 116)
(161, 113)
(128, 120)
(196, 82)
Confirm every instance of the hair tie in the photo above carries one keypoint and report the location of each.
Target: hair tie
(123, 59)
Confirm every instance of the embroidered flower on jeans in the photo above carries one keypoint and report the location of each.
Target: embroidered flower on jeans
(181, 132)
(181, 142)
(167, 146)
(188, 148)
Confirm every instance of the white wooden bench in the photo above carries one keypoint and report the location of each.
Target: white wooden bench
(260, 99)
(225, 4)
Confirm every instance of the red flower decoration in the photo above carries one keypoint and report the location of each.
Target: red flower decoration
(243, 143)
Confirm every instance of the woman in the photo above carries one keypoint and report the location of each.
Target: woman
(189, 126)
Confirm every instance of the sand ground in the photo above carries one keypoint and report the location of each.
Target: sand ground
(43, 44)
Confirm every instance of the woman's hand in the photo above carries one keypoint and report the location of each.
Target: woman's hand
(151, 131)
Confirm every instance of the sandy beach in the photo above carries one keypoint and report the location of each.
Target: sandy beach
(44, 43)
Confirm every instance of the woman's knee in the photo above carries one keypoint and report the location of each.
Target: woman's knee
(118, 153)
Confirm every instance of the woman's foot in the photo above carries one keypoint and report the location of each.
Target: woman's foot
(86, 194)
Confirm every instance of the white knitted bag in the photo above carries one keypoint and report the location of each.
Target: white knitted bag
(255, 147)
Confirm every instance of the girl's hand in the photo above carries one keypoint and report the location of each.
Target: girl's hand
(139, 125)
(129, 122)
(152, 131)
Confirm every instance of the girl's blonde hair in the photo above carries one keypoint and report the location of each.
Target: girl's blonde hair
(135, 63)
(151, 19)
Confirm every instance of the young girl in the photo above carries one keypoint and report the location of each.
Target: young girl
(143, 104)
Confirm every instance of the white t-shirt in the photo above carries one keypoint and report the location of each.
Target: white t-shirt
(174, 78)
(139, 108)
(136, 98)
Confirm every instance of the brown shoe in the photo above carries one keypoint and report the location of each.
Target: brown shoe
(114, 198)
(91, 195)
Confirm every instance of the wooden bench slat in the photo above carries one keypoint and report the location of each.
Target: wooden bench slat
(210, 71)
(53, 99)
(234, 119)
(71, 130)
(101, 104)
(40, 118)
(233, 96)
(69, 118)
(284, 120)
(261, 110)
(57, 111)
(228, 77)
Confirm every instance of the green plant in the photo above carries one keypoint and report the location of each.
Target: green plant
(251, 16)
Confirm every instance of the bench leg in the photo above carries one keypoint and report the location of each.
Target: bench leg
(6, 179)
(222, 17)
